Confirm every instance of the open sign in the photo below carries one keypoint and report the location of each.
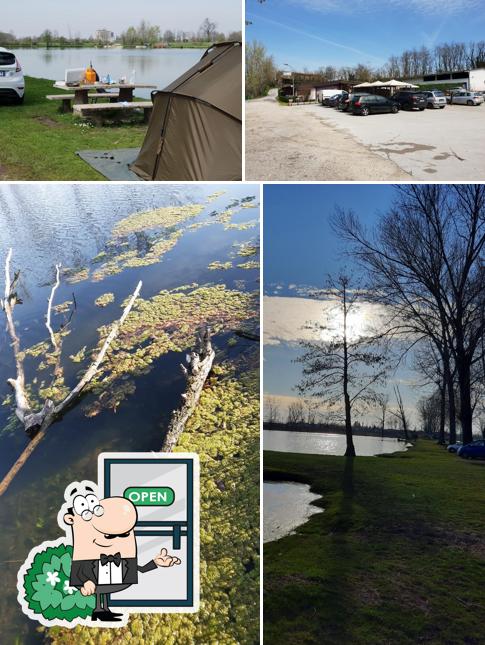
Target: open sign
(160, 496)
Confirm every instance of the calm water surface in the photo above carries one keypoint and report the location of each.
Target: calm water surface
(287, 505)
(71, 224)
(157, 67)
(320, 443)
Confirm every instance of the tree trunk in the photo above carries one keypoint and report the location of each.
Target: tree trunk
(450, 386)
(350, 449)
(199, 368)
(466, 412)
(441, 437)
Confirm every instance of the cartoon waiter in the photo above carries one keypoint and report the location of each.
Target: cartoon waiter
(104, 558)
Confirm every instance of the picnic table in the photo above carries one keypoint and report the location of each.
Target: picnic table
(81, 92)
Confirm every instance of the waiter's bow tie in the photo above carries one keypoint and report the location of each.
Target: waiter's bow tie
(116, 558)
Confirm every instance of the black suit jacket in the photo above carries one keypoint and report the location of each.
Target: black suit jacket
(84, 570)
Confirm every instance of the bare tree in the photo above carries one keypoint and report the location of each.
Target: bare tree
(383, 402)
(207, 30)
(344, 367)
(296, 413)
(400, 414)
(271, 409)
(425, 262)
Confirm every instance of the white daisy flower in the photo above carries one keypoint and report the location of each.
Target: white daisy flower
(53, 577)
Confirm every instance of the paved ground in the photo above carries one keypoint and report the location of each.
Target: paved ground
(295, 144)
(313, 142)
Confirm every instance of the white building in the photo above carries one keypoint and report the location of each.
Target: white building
(472, 80)
(104, 35)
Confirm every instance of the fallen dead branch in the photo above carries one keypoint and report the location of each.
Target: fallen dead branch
(200, 365)
(37, 423)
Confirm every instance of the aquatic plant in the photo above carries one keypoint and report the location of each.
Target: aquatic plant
(214, 196)
(160, 217)
(251, 264)
(63, 308)
(216, 265)
(224, 431)
(104, 300)
(168, 321)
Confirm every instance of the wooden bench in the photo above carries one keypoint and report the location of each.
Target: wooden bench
(99, 109)
(67, 98)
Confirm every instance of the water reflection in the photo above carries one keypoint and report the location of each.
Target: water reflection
(287, 505)
(319, 443)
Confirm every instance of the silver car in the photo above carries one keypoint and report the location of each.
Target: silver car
(435, 98)
(466, 98)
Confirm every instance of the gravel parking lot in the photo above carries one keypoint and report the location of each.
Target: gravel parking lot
(446, 144)
(315, 142)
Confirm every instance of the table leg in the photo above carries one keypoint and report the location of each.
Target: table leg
(81, 97)
(126, 94)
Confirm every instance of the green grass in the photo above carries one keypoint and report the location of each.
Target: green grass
(39, 143)
(397, 556)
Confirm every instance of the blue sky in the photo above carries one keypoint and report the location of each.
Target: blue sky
(31, 17)
(315, 33)
(300, 250)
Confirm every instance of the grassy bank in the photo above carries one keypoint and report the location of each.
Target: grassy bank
(39, 143)
(398, 555)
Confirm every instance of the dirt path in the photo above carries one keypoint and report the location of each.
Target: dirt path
(282, 143)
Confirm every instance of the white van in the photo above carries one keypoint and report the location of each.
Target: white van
(12, 84)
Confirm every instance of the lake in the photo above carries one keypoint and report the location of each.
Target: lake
(320, 443)
(157, 67)
(287, 505)
(209, 253)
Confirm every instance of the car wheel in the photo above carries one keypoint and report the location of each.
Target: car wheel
(394, 109)
(421, 109)
(19, 100)
(442, 107)
(365, 111)
(469, 102)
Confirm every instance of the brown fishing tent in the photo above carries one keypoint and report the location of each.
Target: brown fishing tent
(195, 127)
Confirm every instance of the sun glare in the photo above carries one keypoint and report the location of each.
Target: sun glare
(357, 324)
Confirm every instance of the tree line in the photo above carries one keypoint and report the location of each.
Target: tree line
(423, 264)
(413, 63)
(143, 34)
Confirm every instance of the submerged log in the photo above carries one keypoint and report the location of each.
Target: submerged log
(200, 365)
(37, 423)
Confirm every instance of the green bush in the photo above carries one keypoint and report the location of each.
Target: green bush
(46, 586)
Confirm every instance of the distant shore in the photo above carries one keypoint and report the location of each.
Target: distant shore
(336, 429)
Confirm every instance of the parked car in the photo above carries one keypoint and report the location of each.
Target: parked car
(435, 99)
(344, 104)
(334, 101)
(411, 100)
(12, 84)
(373, 104)
(466, 98)
(473, 450)
(454, 447)
(326, 100)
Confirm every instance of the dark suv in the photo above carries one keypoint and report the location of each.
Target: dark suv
(373, 104)
(411, 100)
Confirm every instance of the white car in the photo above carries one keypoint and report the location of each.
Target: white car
(466, 98)
(12, 83)
(435, 98)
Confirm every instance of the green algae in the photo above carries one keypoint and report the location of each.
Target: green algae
(251, 264)
(224, 431)
(216, 265)
(79, 356)
(169, 321)
(74, 276)
(63, 307)
(105, 299)
(160, 217)
(216, 195)
(247, 249)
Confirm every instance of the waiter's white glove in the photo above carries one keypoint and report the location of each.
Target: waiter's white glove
(165, 560)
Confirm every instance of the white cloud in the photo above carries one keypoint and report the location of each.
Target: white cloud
(286, 319)
(361, 6)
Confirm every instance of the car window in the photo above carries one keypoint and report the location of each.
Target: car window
(7, 58)
(439, 93)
